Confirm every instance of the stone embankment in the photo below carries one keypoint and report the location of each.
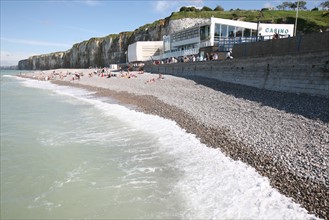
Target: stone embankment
(299, 73)
(297, 64)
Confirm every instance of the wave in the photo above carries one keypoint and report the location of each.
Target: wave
(212, 185)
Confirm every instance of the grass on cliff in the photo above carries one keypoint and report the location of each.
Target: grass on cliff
(308, 21)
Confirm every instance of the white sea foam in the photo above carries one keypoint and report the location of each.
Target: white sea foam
(213, 186)
(63, 90)
(11, 76)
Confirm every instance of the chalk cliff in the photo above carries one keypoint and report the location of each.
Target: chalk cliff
(106, 50)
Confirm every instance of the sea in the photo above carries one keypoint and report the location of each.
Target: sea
(67, 154)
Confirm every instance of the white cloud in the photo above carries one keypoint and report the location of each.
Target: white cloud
(91, 2)
(196, 2)
(315, 3)
(163, 6)
(33, 42)
(168, 6)
(11, 59)
(268, 5)
(88, 2)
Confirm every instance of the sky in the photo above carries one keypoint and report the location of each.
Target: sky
(34, 27)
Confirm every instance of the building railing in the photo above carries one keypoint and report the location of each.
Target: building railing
(205, 44)
(227, 43)
(176, 54)
(182, 53)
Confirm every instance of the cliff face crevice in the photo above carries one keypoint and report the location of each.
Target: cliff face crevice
(107, 50)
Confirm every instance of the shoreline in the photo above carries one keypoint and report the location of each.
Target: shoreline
(296, 171)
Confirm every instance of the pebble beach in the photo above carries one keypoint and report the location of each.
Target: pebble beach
(284, 136)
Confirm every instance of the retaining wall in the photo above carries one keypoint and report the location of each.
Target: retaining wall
(309, 43)
(306, 73)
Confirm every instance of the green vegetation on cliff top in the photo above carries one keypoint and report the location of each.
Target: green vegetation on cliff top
(308, 21)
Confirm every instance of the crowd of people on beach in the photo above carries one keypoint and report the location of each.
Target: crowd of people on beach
(193, 58)
(128, 74)
(99, 72)
(189, 58)
(42, 76)
(107, 73)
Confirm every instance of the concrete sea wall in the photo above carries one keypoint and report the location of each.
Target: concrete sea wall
(309, 43)
(271, 65)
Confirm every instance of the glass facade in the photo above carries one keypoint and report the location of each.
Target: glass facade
(226, 36)
(222, 30)
(231, 31)
(247, 32)
(239, 32)
(204, 32)
(254, 33)
(166, 43)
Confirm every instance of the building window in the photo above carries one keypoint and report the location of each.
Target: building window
(166, 42)
(204, 32)
(239, 31)
(231, 31)
(223, 30)
(217, 30)
(247, 32)
(254, 33)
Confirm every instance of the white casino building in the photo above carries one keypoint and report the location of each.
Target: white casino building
(219, 33)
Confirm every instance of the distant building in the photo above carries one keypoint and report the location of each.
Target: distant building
(141, 51)
(114, 66)
(219, 35)
(9, 67)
